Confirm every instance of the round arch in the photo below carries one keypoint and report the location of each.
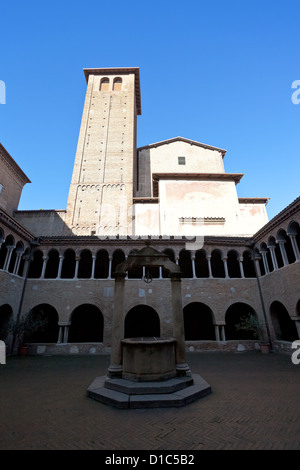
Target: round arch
(185, 263)
(85, 264)
(275, 246)
(117, 258)
(283, 237)
(86, 324)
(294, 231)
(284, 328)
(48, 317)
(198, 322)
(233, 316)
(217, 264)
(233, 264)
(248, 264)
(141, 321)
(36, 263)
(52, 264)
(101, 265)
(68, 264)
(201, 264)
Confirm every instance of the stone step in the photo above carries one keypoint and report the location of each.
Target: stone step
(197, 389)
(132, 387)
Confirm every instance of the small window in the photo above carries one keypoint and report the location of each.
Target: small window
(1, 188)
(117, 84)
(181, 160)
(104, 85)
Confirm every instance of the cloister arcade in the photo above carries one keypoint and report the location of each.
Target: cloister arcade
(209, 262)
(87, 323)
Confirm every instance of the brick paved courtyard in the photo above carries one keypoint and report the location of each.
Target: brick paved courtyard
(254, 405)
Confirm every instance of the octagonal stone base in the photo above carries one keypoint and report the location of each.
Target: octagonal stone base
(124, 394)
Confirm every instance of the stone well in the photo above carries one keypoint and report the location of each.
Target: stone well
(149, 358)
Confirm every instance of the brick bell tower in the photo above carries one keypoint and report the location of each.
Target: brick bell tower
(102, 185)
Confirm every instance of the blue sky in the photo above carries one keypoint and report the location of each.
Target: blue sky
(217, 72)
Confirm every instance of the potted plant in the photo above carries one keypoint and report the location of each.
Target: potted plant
(250, 322)
(22, 328)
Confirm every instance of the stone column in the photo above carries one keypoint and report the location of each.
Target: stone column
(193, 266)
(217, 333)
(66, 332)
(160, 272)
(223, 337)
(109, 267)
(115, 368)
(61, 258)
(63, 333)
(93, 266)
(283, 252)
(17, 263)
(77, 259)
(45, 259)
(273, 256)
(265, 261)
(241, 259)
(60, 333)
(178, 326)
(256, 261)
(294, 245)
(208, 257)
(27, 259)
(225, 266)
(8, 257)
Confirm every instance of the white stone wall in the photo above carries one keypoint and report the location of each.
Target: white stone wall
(164, 159)
(252, 216)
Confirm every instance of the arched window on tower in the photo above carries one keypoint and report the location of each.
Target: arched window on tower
(117, 86)
(104, 84)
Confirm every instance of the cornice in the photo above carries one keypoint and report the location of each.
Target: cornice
(13, 166)
(15, 226)
(145, 200)
(236, 177)
(40, 211)
(281, 217)
(183, 139)
(253, 200)
(118, 240)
